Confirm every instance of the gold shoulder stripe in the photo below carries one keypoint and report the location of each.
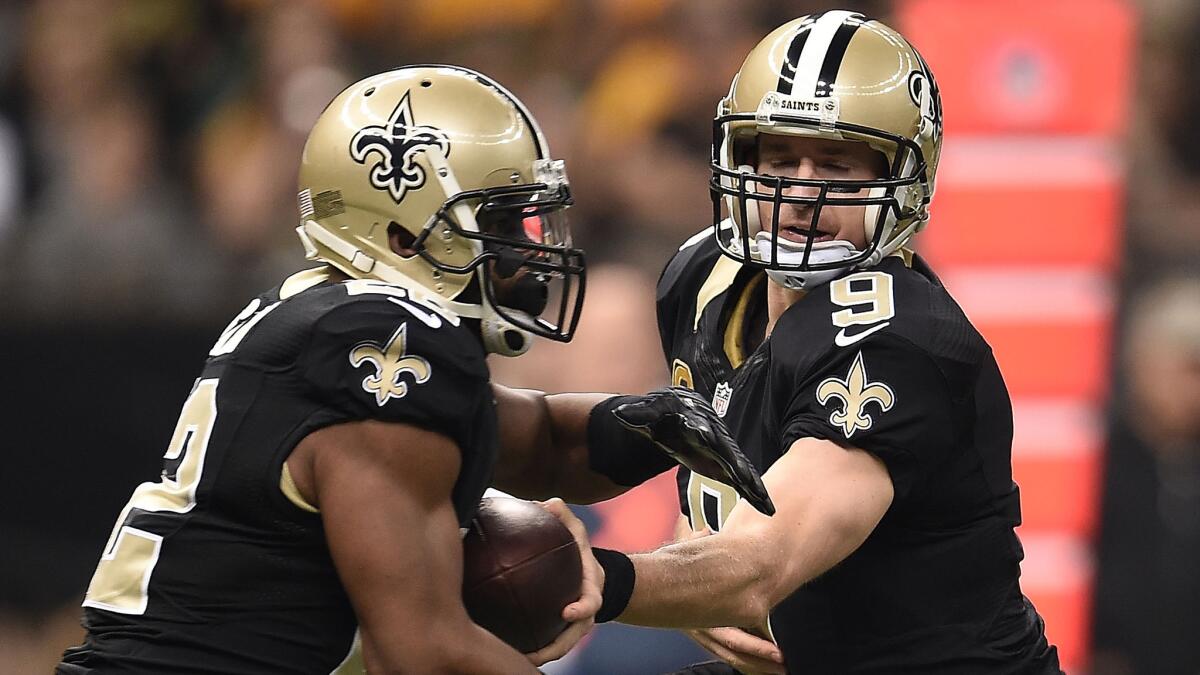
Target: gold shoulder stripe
(303, 280)
(720, 278)
(735, 334)
(289, 489)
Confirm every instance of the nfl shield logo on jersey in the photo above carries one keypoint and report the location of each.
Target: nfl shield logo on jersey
(721, 395)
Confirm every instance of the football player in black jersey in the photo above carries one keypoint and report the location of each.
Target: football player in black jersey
(849, 377)
(344, 427)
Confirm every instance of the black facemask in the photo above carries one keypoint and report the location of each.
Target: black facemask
(528, 263)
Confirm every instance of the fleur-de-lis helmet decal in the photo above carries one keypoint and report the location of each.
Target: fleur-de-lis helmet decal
(397, 143)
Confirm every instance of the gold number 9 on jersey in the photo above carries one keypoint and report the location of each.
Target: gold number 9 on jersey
(122, 577)
(870, 292)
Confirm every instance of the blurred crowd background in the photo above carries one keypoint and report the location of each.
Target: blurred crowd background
(148, 154)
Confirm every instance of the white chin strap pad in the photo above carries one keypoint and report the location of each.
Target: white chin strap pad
(792, 253)
(496, 336)
(496, 331)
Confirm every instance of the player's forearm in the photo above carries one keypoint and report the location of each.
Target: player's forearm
(463, 650)
(720, 580)
(736, 577)
(829, 500)
(576, 479)
(570, 446)
(544, 449)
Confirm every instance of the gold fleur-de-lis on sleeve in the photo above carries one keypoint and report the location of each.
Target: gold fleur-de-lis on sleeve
(390, 363)
(855, 393)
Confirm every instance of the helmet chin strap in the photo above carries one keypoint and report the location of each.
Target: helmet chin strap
(891, 240)
(499, 336)
(752, 224)
(871, 222)
(827, 252)
(792, 253)
(502, 338)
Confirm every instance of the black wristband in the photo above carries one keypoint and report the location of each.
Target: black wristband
(619, 576)
(623, 456)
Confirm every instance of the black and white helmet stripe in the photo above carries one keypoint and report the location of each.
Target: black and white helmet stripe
(816, 53)
(787, 74)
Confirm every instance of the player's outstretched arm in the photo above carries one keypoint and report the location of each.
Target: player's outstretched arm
(828, 500)
(746, 652)
(384, 494)
(544, 446)
(590, 447)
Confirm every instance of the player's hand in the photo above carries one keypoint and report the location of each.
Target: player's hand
(685, 426)
(747, 653)
(580, 614)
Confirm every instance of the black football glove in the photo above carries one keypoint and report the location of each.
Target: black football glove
(685, 427)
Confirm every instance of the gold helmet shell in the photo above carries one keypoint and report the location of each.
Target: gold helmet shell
(439, 152)
(839, 76)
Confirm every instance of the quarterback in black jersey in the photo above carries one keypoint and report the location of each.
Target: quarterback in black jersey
(344, 427)
(849, 377)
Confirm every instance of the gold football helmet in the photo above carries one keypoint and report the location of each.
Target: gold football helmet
(449, 164)
(839, 76)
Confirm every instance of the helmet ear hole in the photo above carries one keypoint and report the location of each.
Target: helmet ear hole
(514, 340)
(401, 241)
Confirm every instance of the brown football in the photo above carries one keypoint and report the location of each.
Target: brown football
(521, 567)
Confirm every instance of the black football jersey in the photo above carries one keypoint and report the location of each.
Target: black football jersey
(220, 566)
(883, 360)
